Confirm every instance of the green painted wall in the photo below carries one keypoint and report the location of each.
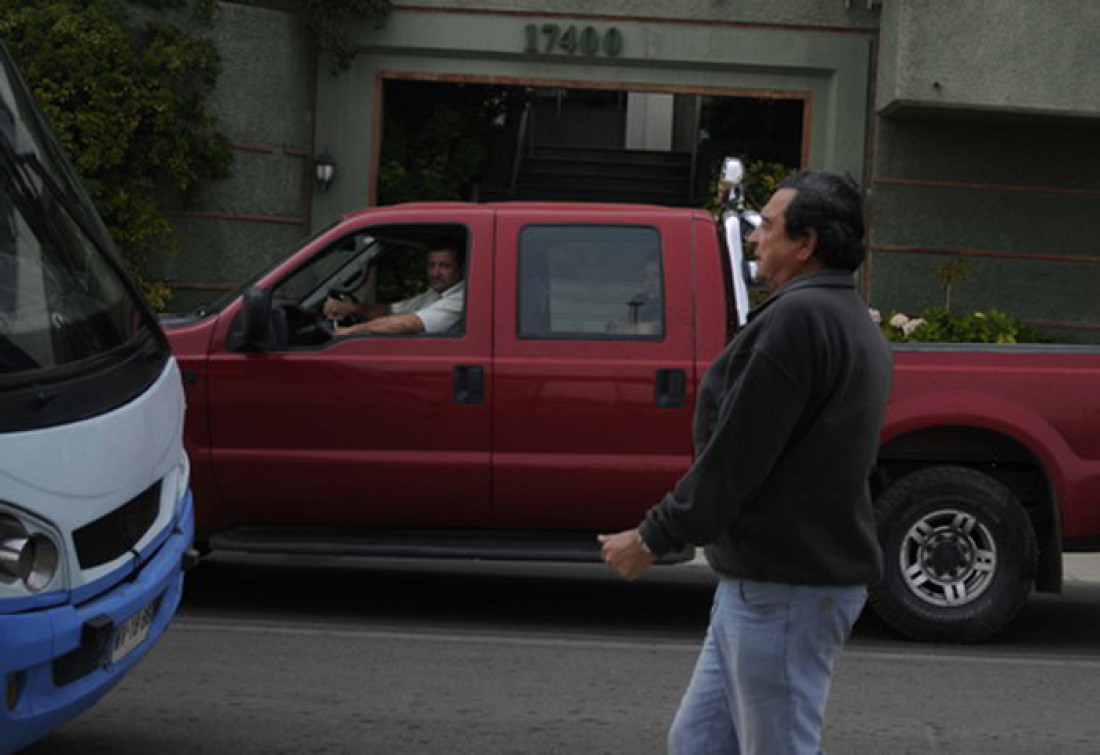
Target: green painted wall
(264, 103)
(1021, 206)
(1024, 56)
(998, 166)
(821, 13)
(833, 69)
(988, 150)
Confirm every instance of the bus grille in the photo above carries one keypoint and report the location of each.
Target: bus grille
(109, 537)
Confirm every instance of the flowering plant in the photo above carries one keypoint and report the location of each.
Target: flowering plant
(935, 324)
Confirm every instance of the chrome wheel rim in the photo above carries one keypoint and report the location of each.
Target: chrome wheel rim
(948, 558)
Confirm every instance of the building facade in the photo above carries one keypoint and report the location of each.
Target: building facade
(974, 127)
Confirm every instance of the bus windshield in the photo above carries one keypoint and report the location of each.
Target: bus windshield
(64, 298)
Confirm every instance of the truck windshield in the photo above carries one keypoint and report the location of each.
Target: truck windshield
(67, 308)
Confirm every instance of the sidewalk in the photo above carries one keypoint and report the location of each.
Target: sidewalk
(1081, 567)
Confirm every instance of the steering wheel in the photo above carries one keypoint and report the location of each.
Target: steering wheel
(307, 327)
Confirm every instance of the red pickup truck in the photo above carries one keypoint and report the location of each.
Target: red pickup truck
(561, 407)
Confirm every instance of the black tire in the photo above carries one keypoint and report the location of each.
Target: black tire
(960, 555)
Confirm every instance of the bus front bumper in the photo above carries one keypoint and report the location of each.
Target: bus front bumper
(58, 661)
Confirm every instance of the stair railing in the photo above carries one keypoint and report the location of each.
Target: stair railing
(521, 143)
(695, 150)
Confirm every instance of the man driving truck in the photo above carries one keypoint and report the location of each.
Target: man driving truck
(437, 310)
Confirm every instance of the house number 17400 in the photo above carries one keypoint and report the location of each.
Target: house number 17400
(554, 38)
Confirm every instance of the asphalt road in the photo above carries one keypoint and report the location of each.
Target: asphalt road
(368, 656)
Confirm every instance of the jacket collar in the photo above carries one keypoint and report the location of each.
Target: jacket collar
(826, 278)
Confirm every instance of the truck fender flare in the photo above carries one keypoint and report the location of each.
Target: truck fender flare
(979, 411)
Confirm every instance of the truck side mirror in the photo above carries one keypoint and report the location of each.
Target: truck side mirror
(729, 183)
(750, 221)
(255, 320)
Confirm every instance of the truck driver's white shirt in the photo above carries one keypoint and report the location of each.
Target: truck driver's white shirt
(439, 312)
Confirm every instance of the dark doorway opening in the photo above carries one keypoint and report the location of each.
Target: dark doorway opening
(469, 140)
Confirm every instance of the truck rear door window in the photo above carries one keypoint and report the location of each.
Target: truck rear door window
(590, 282)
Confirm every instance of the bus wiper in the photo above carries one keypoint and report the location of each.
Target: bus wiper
(23, 167)
(30, 202)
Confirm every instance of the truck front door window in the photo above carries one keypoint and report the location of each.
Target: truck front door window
(378, 276)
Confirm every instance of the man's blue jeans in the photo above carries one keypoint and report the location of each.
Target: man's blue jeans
(762, 678)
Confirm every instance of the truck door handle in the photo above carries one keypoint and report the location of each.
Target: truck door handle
(469, 384)
(671, 389)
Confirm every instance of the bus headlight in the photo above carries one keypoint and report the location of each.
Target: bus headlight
(182, 475)
(28, 558)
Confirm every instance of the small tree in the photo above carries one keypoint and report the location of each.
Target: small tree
(127, 101)
(947, 274)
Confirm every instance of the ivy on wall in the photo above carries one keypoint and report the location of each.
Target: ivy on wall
(330, 19)
(127, 101)
(203, 10)
(435, 157)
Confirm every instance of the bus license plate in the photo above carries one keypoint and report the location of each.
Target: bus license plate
(132, 633)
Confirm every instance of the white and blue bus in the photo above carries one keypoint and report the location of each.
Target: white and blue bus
(96, 516)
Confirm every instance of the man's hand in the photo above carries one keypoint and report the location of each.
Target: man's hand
(403, 324)
(335, 309)
(625, 553)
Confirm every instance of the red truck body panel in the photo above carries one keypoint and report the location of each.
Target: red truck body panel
(363, 431)
(579, 442)
(1045, 398)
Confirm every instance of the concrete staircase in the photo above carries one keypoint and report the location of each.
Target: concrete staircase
(605, 175)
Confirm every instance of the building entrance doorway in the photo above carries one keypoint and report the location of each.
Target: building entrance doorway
(474, 140)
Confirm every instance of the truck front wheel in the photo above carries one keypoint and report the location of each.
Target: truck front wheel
(959, 555)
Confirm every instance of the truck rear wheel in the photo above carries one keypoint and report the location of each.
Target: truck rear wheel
(960, 555)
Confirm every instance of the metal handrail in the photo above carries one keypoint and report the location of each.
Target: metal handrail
(521, 142)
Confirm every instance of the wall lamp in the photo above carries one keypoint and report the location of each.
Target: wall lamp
(324, 170)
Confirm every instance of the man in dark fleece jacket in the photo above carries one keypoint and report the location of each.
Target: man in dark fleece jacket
(786, 428)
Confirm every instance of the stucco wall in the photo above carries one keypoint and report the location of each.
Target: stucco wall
(821, 13)
(1004, 179)
(1013, 200)
(988, 152)
(264, 103)
(829, 68)
(1038, 56)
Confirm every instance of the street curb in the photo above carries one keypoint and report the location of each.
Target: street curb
(1076, 567)
(1081, 567)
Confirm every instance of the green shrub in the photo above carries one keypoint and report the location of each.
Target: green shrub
(762, 178)
(436, 138)
(937, 325)
(127, 101)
